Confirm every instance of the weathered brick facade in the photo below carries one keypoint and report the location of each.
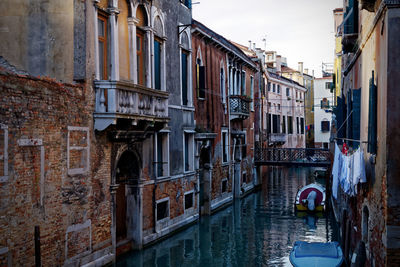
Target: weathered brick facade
(72, 210)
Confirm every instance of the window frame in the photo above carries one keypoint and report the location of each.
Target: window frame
(103, 73)
(166, 199)
(140, 58)
(165, 154)
(184, 201)
(189, 150)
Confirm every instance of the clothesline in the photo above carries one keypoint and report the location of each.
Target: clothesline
(353, 140)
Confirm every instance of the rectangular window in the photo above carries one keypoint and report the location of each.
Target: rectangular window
(269, 87)
(325, 125)
(298, 125)
(324, 103)
(157, 64)
(189, 200)
(302, 125)
(184, 81)
(224, 185)
(162, 207)
(244, 146)
(279, 89)
(273, 88)
(287, 91)
(283, 124)
(251, 92)
(225, 147)
(290, 124)
(243, 83)
(162, 161)
(275, 123)
(140, 57)
(222, 85)
(102, 40)
(188, 151)
(201, 81)
(269, 123)
(279, 106)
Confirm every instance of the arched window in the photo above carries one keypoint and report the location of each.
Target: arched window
(141, 44)
(222, 82)
(158, 53)
(200, 76)
(185, 69)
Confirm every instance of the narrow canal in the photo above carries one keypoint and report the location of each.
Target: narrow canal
(258, 230)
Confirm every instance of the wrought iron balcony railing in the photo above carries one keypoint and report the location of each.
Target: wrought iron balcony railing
(122, 99)
(239, 107)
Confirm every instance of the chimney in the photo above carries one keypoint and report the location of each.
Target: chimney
(306, 71)
(254, 46)
(300, 69)
(278, 63)
(249, 44)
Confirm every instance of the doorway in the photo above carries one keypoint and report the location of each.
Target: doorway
(127, 177)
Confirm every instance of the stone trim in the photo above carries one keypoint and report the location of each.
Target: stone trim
(83, 170)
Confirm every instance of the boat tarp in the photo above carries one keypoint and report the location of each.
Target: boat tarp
(305, 249)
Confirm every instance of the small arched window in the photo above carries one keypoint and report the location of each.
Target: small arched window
(158, 52)
(185, 65)
(141, 16)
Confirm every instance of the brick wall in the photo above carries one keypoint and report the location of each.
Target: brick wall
(71, 208)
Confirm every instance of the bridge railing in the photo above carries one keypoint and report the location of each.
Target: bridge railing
(292, 155)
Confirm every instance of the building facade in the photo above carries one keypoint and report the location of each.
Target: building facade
(306, 79)
(109, 137)
(323, 99)
(368, 109)
(225, 85)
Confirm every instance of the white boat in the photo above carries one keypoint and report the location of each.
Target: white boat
(316, 254)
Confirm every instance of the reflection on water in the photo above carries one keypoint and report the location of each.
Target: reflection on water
(258, 230)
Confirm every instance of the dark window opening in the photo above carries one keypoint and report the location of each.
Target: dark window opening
(302, 125)
(162, 210)
(325, 125)
(224, 186)
(184, 78)
(188, 201)
(157, 64)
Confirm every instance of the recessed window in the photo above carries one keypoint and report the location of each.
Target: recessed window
(157, 63)
(162, 209)
(102, 41)
(200, 79)
(140, 57)
(251, 92)
(224, 186)
(287, 91)
(225, 146)
(302, 125)
(188, 151)
(244, 178)
(325, 126)
(222, 84)
(189, 200)
(290, 124)
(184, 81)
(162, 157)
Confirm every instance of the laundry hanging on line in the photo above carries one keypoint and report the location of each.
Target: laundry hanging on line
(347, 171)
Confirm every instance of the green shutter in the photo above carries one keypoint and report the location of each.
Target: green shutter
(157, 65)
(372, 116)
(356, 116)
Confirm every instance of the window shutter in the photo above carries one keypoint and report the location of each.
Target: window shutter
(356, 116)
(372, 116)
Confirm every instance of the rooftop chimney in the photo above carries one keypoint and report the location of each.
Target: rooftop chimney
(300, 69)
(306, 71)
(254, 46)
(249, 44)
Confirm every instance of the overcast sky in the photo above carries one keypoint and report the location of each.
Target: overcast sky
(300, 30)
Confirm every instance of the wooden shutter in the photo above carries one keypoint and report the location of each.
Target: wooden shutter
(372, 116)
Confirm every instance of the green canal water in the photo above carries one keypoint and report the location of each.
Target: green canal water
(258, 230)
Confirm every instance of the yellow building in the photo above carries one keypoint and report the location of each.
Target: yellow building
(337, 67)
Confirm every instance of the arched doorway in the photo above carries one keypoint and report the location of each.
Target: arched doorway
(127, 178)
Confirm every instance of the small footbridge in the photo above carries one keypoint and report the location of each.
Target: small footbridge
(318, 157)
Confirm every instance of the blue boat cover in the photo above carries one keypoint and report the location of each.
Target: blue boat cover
(315, 249)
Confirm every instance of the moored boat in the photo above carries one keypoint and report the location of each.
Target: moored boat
(311, 198)
(305, 254)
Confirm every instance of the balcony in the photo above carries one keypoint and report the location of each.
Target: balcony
(277, 138)
(125, 100)
(239, 107)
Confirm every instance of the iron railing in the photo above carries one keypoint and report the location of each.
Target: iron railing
(312, 156)
(239, 105)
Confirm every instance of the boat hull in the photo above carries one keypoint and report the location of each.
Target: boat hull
(315, 254)
(302, 195)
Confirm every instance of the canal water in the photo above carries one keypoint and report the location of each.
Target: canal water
(258, 230)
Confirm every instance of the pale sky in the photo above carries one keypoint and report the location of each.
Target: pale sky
(300, 30)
